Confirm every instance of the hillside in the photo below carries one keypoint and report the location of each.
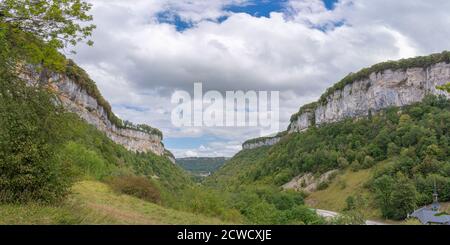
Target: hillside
(201, 166)
(384, 160)
(405, 150)
(93, 202)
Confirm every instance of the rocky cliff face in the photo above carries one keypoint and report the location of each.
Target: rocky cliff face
(303, 122)
(260, 143)
(379, 91)
(77, 100)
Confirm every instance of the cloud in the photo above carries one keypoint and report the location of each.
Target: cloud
(139, 60)
(215, 149)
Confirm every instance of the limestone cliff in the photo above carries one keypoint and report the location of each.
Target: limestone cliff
(379, 90)
(388, 84)
(256, 143)
(78, 100)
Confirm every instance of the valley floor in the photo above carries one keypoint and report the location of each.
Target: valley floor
(93, 202)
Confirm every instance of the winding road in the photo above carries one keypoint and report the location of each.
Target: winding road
(331, 214)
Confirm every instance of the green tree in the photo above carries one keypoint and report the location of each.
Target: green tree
(383, 188)
(395, 197)
(29, 136)
(404, 197)
(36, 30)
(343, 163)
(53, 21)
(31, 33)
(445, 87)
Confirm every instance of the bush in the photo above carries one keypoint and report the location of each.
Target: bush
(137, 186)
(343, 163)
(86, 162)
(368, 162)
(322, 185)
(355, 166)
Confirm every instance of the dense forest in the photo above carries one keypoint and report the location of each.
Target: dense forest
(201, 165)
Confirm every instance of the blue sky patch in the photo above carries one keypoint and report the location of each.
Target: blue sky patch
(329, 4)
(172, 18)
(256, 8)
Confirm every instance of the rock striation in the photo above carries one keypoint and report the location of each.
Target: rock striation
(260, 143)
(388, 84)
(388, 88)
(76, 99)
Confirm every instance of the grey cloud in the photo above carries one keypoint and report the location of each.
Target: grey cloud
(139, 62)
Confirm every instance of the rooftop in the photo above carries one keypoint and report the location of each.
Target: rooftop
(427, 215)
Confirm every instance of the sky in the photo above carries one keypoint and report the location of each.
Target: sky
(146, 49)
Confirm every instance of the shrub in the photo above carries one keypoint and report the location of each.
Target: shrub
(355, 166)
(322, 185)
(29, 134)
(343, 163)
(368, 162)
(86, 162)
(137, 186)
(392, 149)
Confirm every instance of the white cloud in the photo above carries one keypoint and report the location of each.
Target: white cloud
(215, 149)
(137, 61)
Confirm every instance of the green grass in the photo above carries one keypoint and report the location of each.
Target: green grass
(349, 183)
(93, 202)
(334, 197)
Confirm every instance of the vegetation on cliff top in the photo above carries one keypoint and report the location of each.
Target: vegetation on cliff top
(81, 78)
(311, 107)
(445, 87)
(261, 139)
(403, 64)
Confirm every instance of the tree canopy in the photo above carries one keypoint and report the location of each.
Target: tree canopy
(36, 30)
(54, 21)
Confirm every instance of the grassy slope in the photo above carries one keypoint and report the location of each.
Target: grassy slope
(85, 142)
(93, 202)
(344, 185)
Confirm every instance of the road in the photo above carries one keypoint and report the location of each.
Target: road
(331, 214)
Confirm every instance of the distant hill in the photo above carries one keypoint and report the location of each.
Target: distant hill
(201, 166)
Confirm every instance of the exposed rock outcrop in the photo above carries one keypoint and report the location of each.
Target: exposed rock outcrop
(388, 88)
(308, 182)
(304, 121)
(260, 143)
(77, 100)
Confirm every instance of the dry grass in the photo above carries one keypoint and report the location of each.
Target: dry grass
(137, 186)
(96, 203)
(344, 185)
